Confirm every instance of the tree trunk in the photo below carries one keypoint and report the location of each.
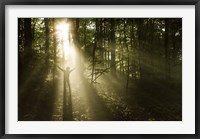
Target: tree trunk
(19, 54)
(54, 50)
(101, 42)
(139, 34)
(94, 51)
(27, 41)
(84, 32)
(120, 54)
(133, 49)
(112, 39)
(46, 20)
(128, 65)
(166, 45)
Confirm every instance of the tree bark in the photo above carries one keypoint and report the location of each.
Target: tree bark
(139, 34)
(94, 51)
(113, 46)
(27, 41)
(54, 50)
(166, 45)
(46, 20)
(127, 49)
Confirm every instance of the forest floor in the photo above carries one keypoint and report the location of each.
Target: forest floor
(108, 100)
(105, 100)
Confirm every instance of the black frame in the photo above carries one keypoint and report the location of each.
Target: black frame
(3, 3)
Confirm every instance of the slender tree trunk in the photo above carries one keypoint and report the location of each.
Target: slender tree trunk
(104, 43)
(122, 60)
(19, 54)
(79, 56)
(167, 63)
(20, 34)
(120, 54)
(101, 41)
(94, 51)
(27, 41)
(46, 20)
(151, 39)
(133, 48)
(54, 52)
(174, 47)
(84, 30)
(139, 34)
(112, 39)
(126, 45)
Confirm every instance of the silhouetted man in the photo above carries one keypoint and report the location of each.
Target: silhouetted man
(67, 106)
(66, 75)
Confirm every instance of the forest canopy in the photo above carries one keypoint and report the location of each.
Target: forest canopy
(100, 69)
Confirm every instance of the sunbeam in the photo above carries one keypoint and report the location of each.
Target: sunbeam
(64, 36)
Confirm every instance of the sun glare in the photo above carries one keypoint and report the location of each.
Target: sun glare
(63, 32)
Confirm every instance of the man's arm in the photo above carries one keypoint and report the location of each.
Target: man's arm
(71, 70)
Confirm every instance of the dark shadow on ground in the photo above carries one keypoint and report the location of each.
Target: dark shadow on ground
(160, 100)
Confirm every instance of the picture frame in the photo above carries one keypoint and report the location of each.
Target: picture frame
(3, 5)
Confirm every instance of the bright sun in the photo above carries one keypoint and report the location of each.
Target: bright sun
(63, 30)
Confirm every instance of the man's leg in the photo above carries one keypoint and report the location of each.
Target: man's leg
(69, 86)
(69, 102)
